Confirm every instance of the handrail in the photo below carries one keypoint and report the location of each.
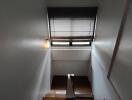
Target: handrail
(70, 91)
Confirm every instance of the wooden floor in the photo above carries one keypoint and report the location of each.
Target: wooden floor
(59, 83)
(81, 85)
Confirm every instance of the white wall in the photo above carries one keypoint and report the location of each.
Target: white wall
(72, 60)
(71, 3)
(102, 89)
(43, 81)
(121, 75)
(108, 23)
(23, 26)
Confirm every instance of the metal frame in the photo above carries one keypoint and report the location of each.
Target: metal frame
(71, 39)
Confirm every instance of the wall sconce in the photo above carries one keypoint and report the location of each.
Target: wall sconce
(46, 43)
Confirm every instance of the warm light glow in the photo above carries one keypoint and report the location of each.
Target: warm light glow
(46, 43)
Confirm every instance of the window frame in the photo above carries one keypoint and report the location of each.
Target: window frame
(71, 39)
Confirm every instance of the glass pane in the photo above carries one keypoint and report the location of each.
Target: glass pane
(80, 25)
(72, 27)
(62, 24)
(63, 33)
(79, 33)
(80, 43)
(60, 43)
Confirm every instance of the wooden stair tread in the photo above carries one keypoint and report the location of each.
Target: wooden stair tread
(84, 95)
(55, 98)
(82, 89)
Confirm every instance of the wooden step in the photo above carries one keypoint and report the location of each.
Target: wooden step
(55, 95)
(53, 98)
(74, 88)
(84, 97)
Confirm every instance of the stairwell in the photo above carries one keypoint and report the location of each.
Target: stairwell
(70, 88)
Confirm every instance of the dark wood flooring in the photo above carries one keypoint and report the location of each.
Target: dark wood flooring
(81, 85)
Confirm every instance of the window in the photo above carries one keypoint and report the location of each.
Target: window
(59, 43)
(71, 31)
(71, 27)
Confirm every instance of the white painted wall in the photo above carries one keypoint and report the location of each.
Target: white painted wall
(102, 89)
(71, 3)
(72, 60)
(121, 75)
(24, 63)
(108, 23)
(43, 84)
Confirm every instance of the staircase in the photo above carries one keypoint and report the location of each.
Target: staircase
(55, 95)
(70, 88)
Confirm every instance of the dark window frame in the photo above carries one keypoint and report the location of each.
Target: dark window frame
(71, 39)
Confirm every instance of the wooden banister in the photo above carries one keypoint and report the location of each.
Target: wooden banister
(70, 91)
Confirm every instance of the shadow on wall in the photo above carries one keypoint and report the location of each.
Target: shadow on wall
(102, 88)
(42, 87)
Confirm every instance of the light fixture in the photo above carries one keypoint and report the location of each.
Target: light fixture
(46, 43)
